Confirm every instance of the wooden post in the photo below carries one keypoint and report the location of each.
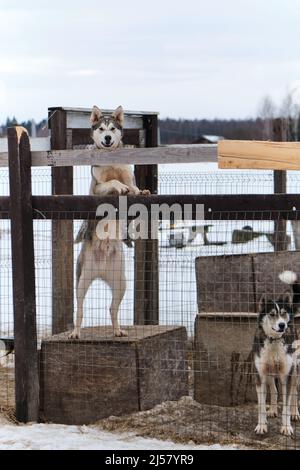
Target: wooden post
(146, 272)
(26, 356)
(296, 223)
(279, 134)
(62, 233)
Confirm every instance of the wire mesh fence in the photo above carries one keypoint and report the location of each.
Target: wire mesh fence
(211, 278)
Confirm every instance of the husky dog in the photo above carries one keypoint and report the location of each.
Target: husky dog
(274, 357)
(104, 258)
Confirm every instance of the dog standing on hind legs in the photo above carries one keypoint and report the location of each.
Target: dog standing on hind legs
(274, 356)
(104, 258)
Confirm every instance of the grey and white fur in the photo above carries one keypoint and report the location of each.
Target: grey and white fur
(274, 356)
(104, 258)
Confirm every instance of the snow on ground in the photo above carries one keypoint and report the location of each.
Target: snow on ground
(61, 437)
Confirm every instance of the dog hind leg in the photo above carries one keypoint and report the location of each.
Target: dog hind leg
(115, 278)
(83, 284)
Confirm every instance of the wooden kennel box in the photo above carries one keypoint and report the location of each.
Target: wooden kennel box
(82, 381)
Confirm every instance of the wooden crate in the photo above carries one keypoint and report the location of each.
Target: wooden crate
(99, 375)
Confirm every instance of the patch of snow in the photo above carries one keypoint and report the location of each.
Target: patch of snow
(62, 437)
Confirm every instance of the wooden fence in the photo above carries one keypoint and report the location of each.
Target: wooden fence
(69, 128)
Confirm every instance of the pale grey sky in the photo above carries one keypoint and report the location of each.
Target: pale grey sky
(192, 59)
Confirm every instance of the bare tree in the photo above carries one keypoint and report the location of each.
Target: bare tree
(267, 112)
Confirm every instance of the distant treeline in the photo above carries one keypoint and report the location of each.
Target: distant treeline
(179, 131)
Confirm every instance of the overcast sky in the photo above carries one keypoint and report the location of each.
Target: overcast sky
(192, 59)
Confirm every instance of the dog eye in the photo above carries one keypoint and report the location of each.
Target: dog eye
(101, 129)
(112, 128)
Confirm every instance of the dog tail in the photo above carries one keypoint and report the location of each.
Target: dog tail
(291, 278)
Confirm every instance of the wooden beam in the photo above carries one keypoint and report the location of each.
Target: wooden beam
(62, 234)
(243, 154)
(146, 264)
(136, 156)
(25, 335)
(221, 206)
(104, 111)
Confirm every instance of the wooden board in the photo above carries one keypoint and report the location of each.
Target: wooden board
(225, 283)
(62, 234)
(134, 156)
(243, 154)
(146, 265)
(99, 375)
(223, 372)
(23, 272)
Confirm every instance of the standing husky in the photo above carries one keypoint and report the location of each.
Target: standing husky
(104, 259)
(273, 354)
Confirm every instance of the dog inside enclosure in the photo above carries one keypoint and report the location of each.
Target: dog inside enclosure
(246, 351)
(101, 255)
(274, 357)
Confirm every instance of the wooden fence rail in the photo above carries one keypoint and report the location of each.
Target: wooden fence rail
(26, 355)
(135, 156)
(216, 207)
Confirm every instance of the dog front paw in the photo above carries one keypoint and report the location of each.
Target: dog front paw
(119, 333)
(122, 189)
(145, 192)
(286, 430)
(261, 429)
(75, 334)
(119, 188)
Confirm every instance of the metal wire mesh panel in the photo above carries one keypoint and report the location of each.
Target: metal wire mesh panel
(191, 362)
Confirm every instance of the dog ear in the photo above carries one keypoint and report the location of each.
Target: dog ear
(262, 304)
(96, 115)
(287, 298)
(118, 115)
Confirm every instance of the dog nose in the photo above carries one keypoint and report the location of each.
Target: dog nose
(107, 139)
(281, 326)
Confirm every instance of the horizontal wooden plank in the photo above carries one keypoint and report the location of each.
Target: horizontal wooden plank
(134, 156)
(256, 155)
(216, 207)
(244, 316)
(105, 111)
(125, 156)
(220, 207)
